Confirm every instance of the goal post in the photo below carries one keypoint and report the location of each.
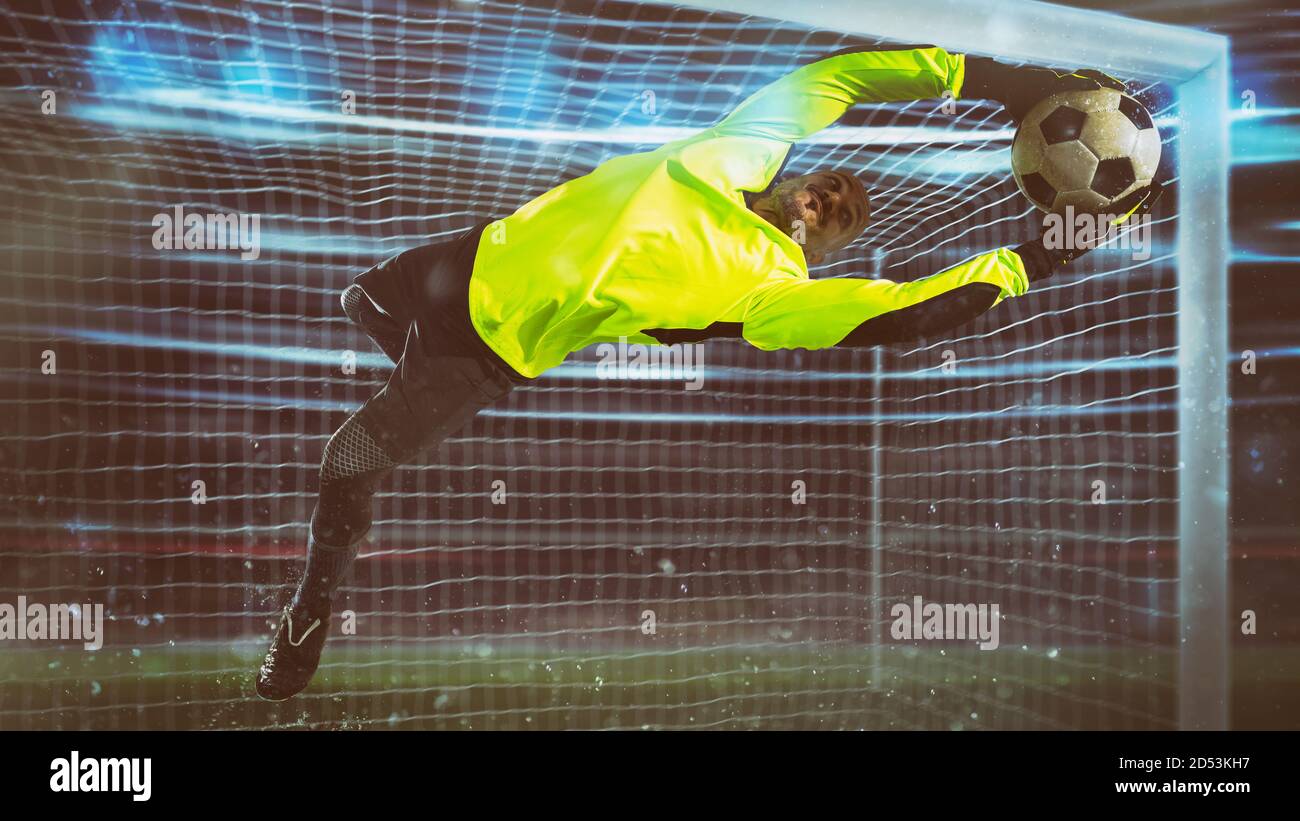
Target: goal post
(1203, 409)
(1196, 65)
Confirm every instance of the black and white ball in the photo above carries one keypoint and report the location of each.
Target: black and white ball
(1084, 149)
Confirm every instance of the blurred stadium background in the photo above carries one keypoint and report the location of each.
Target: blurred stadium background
(623, 497)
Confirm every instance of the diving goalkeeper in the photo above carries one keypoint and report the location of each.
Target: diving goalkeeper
(685, 243)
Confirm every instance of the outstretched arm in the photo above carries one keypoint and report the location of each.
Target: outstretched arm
(850, 312)
(819, 313)
(815, 96)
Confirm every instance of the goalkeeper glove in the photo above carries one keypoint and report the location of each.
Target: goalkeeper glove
(1042, 261)
(1020, 88)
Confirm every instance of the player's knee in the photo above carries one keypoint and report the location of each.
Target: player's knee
(352, 299)
(352, 462)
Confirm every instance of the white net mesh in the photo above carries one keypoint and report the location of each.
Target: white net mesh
(961, 477)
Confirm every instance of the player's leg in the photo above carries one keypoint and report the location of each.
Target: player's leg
(383, 300)
(351, 466)
(429, 396)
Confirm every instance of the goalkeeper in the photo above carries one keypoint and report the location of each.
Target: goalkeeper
(689, 242)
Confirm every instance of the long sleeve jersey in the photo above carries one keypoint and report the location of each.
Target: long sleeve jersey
(665, 240)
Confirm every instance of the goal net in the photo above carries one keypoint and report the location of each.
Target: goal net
(593, 552)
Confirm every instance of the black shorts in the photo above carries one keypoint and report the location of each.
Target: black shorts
(446, 373)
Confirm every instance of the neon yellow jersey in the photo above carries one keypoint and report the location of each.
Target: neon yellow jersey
(663, 239)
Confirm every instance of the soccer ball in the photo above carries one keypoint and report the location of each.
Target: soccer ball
(1085, 150)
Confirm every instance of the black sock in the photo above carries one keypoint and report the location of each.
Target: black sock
(326, 567)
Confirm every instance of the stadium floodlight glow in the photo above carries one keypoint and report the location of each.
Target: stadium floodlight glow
(1196, 63)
